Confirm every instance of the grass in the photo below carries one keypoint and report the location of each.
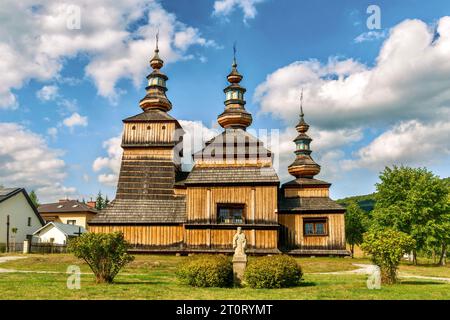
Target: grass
(153, 277)
(427, 270)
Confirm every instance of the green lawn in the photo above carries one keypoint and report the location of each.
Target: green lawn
(152, 277)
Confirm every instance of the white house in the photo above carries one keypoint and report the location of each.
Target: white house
(57, 233)
(19, 218)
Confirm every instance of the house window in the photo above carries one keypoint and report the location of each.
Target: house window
(72, 222)
(29, 221)
(315, 227)
(230, 213)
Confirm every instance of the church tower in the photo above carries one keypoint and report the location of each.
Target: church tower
(147, 208)
(235, 116)
(311, 223)
(303, 166)
(150, 160)
(232, 184)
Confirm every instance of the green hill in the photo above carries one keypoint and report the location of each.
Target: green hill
(366, 202)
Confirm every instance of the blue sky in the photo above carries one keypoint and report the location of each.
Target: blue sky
(372, 97)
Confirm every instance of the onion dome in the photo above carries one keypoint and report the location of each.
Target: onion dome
(303, 165)
(235, 116)
(156, 98)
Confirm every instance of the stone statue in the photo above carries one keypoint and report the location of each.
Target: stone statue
(239, 243)
(239, 258)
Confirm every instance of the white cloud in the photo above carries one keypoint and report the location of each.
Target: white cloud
(225, 7)
(326, 146)
(408, 143)
(35, 40)
(52, 132)
(370, 36)
(110, 163)
(411, 79)
(47, 93)
(75, 120)
(27, 161)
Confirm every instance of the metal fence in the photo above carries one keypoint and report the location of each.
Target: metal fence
(34, 247)
(13, 247)
(48, 248)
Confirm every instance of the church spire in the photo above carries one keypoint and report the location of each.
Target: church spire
(303, 166)
(235, 116)
(156, 90)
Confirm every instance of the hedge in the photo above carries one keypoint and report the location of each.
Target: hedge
(206, 271)
(278, 271)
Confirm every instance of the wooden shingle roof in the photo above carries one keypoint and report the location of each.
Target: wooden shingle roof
(152, 115)
(308, 205)
(232, 175)
(306, 182)
(233, 143)
(126, 211)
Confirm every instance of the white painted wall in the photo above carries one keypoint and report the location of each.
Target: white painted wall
(18, 209)
(50, 232)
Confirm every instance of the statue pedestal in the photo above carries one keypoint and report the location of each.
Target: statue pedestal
(239, 264)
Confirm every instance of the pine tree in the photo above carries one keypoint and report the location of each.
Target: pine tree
(34, 198)
(99, 202)
(354, 225)
(106, 202)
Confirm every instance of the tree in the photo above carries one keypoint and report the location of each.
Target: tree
(99, 202)
(354, 225)
(387, 246)
(414, 201)
(34, 198)
(105, 253)
(105, 204)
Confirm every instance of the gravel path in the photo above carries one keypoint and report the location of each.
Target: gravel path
(369, 268)
(9, 258)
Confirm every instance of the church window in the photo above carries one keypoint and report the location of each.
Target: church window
(133, 128)
(315, 227)
(148, 127)
(230, 213)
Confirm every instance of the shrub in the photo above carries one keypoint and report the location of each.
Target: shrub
(206, 271)
(278, 271)
(105, 253)
(387, 248)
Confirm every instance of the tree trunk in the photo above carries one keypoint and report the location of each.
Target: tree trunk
(443, 255)
(352, 249)
(415, 257)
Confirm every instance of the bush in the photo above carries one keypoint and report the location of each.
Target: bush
(273, 272)
(387, 248)
(105, 253)
(207, 271)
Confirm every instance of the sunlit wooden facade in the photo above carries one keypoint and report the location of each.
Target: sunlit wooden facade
(158, 207)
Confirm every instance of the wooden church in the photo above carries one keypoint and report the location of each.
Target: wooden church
(160, 208)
